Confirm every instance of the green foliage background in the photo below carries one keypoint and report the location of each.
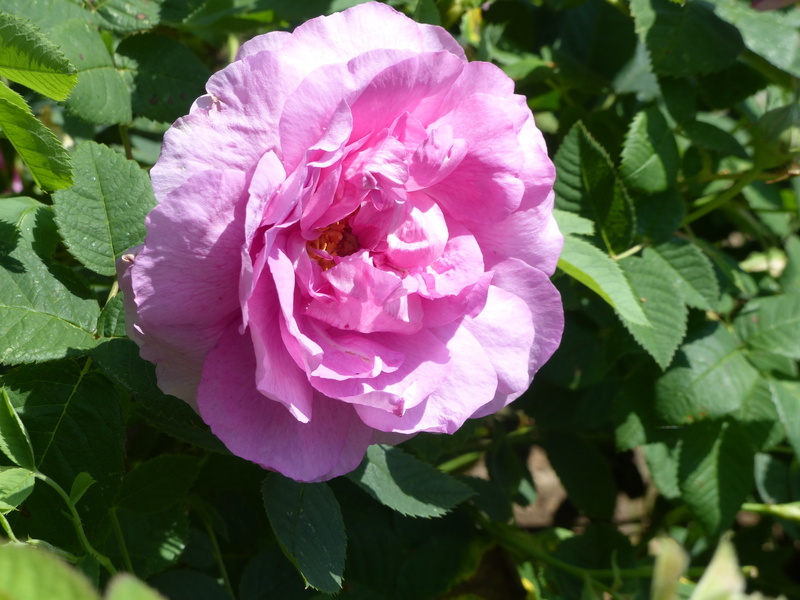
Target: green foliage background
(675, 130)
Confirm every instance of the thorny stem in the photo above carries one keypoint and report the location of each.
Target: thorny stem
(76, 521)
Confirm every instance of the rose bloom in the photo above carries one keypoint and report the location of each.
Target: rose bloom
(352, 244)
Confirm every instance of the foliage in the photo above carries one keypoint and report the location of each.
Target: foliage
(675, 130)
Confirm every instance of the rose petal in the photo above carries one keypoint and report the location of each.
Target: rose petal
(261, 430)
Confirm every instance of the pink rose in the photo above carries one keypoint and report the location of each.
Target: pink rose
(352, 244)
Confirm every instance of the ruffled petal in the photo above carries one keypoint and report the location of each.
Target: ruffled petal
(263, 431)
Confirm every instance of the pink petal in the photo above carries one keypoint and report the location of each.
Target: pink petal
(470, 384)
(261, 430)
(421, 238)
(178, 289)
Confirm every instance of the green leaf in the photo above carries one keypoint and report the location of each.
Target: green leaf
(597, 271)
(126, 587)
(662, 306)
(154, 540)
(584, 473)
(158, 483)
(772, 324)
(100, 95)
(659, 215)
(710, 377)
(28, 573)
(790, 278)
(715, 471)
(710, 137)
(662, 463)
(75, 424)
(102, 215)
(15, 486)
(79, 487)
(685, 40)
(111, 323)
(14, 440)
(29, 58)
(650, 155)
(687, 270)
(759, 417)
(406, 484)
(572, 223)
(39, 148)
(587, 183)
(127, 16)
(34, 222)
(427, 12)
(40, 317)
(307, 521)
(786, 396)
(766, 33)
(164, 76)
(119, 359)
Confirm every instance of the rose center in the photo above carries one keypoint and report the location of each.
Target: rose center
(337, 239)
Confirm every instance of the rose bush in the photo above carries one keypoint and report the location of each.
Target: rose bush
(352, 244)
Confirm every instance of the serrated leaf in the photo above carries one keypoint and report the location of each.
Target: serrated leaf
(786, 397)
(126, 587)
(119, 359)
(710, 377)
(14, 440)
(658, 216)
(710, 137)
(662, 306)
(15, 486)
(127, 16)
(28, 573)
(685, 40)
(687, 270)
(427, 12)
(75, 425)
(100, 95)
(307, 521)
(715, 471)
(650, 154)
(572, 223)
(79, 486)
(158, 483)
(766, 33)
(102, 215)
(772, 324)
(40, 317)
(111, 323)
(662, 463)
(597, 271)
(29, 58)
(34, 222)
(587, 184)
(406, 484)
(759, 417)
(790, 278)
(38, 147)
(163, 74)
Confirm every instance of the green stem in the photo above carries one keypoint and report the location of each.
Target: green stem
(522, 543)
(126, 558)
(722, 198)
(218, 554)
(76, 521)
(7, 528)
(126, 141)
(460, 461)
